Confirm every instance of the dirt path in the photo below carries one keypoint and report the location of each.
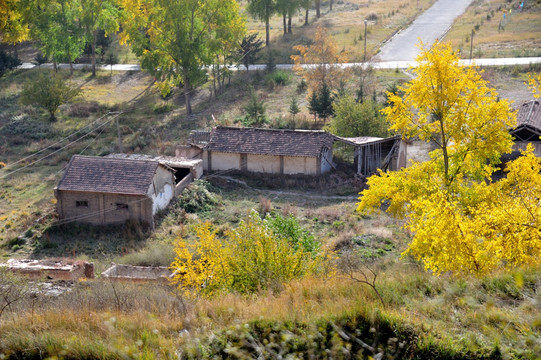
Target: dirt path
(429, 26)
(277, 193)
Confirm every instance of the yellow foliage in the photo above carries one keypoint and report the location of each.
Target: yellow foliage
(461, 221)
(248, 259)
(324, 55)
(534, 84)
(13, 28)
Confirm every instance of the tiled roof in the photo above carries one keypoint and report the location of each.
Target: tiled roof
(269, 141)
(530, 114)
(108, 175)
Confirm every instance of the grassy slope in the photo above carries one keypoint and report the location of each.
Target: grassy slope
(519, 35)
(147, 321)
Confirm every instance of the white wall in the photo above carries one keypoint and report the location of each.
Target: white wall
(224, 161)
(300, 164)
(263, 163)
(325, 159)
(161, 199)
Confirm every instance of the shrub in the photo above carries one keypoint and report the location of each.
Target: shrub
(48, 91)
(197, 197)
(83, 109)
(279, 77)
(162, 109)
(288, 228)
(7, 62)
(159, 254)
(248, 259)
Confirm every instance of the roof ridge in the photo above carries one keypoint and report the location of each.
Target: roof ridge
(275, 130)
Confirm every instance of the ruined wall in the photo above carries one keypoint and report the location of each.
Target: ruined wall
(103, 209)
(67, 270)
(326, 159)
(161, 190)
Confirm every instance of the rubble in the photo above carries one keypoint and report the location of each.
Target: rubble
(64, 269)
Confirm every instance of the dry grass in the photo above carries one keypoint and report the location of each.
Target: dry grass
(518, 35)
(346, 24)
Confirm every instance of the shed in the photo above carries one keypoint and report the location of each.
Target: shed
(372, 153)
(528, 128)
(104, 191)
(273, 151)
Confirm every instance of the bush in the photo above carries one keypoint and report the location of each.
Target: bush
(7, 62)
(197, 197)
(255, 110)
(48, 91)
(249, 259)
(159, 254)
(84, 109)
(162, 109)
(279, 77)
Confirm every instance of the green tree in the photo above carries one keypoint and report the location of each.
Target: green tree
(294, 107)
(48, 91)
(96, 15)
(250, 47)
(56, 25)
(174, 39)
(461, 220)
(263, 10)
(353, 119)
(321, 103)
(255, 109)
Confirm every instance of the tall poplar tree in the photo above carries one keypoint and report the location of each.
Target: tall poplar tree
(174, 39)
(263, 10)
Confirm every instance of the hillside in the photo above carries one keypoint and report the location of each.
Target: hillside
(373, 302)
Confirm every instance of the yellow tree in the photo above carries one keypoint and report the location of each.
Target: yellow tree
(13, 26)
(461, 220)
(534, 84)
(324, 58)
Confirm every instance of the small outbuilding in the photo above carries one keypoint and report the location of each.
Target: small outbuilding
(528, 128)
(105, 191)
(272, 151)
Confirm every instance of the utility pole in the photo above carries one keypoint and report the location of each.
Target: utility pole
(471, 45)
(118, 133)
(365, 23)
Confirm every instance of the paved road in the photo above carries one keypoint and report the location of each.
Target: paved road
(429, 26)
(403, 64)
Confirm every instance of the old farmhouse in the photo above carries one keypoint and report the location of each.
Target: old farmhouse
(105, 191)
(265, 150)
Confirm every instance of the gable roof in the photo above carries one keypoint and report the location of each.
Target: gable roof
(108, 175)
(269, 141)
(528, 121)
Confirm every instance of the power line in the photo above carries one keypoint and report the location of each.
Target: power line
(54, 152)
(58, 142)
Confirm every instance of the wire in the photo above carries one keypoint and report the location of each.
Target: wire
(56, 143)
(54, 152)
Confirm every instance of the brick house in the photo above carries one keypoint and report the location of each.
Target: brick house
(104, 191)
(272, 151)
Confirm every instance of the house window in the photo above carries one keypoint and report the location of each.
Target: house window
(121, 206)
(81, 203)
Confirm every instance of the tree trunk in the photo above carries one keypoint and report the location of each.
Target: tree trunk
(284, 16)
(330, 2)
(267, 33)
(318, 8)
(214, 78)
(94, 52)
(187, 93)
(54, 66)
(289, 21)
(15, 52)
(306, 17)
